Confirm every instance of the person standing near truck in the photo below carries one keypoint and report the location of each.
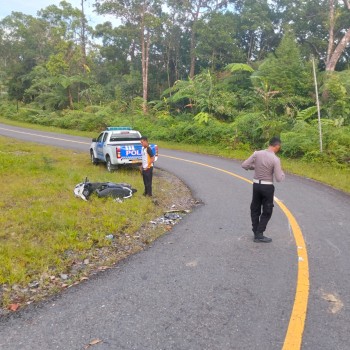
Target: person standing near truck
(148, 158)
(266, 165)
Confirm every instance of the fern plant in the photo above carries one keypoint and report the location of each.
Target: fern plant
(307, 113)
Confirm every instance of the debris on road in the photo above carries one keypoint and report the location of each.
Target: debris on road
(93, 342)
(14, 307)
(170, 217)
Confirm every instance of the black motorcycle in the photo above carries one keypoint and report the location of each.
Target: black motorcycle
(103, 189)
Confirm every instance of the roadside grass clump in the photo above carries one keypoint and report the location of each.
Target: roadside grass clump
(334, 176)
(45, 229)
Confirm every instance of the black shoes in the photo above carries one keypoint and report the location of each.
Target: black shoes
(262, 239)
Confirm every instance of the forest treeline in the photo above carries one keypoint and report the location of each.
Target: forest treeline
(231, 72)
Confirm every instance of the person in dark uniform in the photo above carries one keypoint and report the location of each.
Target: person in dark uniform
(266, 166)
(147, 166)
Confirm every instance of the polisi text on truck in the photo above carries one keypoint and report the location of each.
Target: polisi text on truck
(134, 152)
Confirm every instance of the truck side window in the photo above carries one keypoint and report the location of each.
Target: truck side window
(99, 137)
(105, 137)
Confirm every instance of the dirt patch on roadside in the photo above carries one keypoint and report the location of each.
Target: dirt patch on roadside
(174, 199)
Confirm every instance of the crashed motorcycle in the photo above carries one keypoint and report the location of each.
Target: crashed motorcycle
(118, 191)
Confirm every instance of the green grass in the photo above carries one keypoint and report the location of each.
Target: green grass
(42, 222)
(334, 176)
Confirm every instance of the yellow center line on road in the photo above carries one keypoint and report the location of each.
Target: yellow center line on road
(294, 335)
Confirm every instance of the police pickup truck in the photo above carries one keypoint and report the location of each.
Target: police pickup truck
(116, 146)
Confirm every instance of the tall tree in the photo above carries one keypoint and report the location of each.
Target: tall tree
(284, 75)
(145, 17)
(68, 24)
(339, 32)
(193, 10)
(217, 43)
(24, 44)
(52, 39)
(83, 37)
(257, 28)
(321, 26)
(69, 34)
(118, 66)
(170, 59)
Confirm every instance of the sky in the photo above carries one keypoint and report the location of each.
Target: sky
(31, 7)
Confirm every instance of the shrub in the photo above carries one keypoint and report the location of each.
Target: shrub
(248, 128)
(301, 140)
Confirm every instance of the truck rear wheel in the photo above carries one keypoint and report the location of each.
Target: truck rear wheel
(109, 165)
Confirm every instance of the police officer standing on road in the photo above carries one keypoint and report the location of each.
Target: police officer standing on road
(266, 165)
(147, 166)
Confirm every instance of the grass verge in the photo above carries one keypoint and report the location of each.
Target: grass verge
(49, 239)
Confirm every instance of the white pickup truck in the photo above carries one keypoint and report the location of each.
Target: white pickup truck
(118, 145)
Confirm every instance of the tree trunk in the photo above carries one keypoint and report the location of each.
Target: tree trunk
(146, 65)
(132, 50)
(334, 58)
(192, 53)
(251, 43)
(83, 36)
(167, 63)
(331, 31)
(193, 40)
(145, 44)
(213, 57)
(70, 98)
(333, 54)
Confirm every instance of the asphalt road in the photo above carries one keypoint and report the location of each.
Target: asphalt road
(206, 284)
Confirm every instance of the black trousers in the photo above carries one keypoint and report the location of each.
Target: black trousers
(261, 207)
(147, 180)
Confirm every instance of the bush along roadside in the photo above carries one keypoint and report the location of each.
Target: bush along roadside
(244, 131)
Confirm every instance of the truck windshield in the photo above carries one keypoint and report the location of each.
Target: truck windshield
(127, 136)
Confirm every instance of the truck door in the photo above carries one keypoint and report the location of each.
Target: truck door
(100, 144)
